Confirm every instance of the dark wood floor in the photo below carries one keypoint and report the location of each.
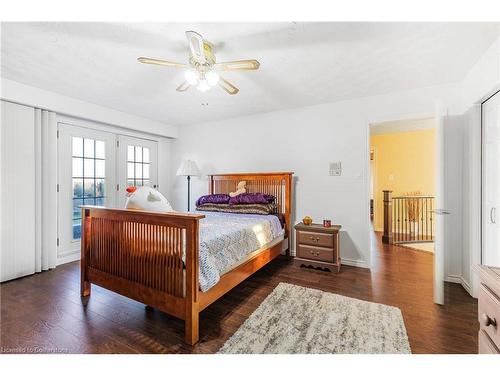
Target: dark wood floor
(44, 312)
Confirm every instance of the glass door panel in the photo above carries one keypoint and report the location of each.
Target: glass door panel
(137, 164)
(86, 177)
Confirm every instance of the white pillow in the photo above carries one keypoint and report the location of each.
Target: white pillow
(146, 198)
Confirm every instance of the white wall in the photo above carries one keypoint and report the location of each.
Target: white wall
(304, 141)
(63, 105)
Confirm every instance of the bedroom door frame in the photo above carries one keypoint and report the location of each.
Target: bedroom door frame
(438, 271)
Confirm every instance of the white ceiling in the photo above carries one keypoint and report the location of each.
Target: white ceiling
(301, 63)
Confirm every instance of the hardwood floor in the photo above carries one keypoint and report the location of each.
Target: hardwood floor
(44, 312)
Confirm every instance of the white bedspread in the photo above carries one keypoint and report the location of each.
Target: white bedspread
(226, 239)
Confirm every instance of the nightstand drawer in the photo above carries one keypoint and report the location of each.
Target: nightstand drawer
(315, 253)
(489, 317)
(315, 239)
(485, 344)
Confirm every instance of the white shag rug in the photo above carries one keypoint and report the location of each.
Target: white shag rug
(295, 319)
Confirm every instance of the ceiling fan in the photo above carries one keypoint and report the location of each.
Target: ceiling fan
(202, 68)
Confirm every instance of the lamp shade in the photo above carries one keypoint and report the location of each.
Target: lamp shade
(188, 168)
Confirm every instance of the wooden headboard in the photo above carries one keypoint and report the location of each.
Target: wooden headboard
(278, 184)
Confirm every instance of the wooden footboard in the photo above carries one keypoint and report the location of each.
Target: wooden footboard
(140, 255)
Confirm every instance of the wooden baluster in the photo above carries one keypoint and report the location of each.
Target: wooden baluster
(387, 236)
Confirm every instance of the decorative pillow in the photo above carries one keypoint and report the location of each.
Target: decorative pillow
(213, 198)
(259, 209)
(252, 198)
(146, 198)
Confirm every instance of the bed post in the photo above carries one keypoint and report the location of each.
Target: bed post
(288, 211)
(85, 245)
(192, 284)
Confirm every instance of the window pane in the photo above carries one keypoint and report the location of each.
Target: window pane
(77, 146)
(88, 148)
(100, 166)
(130, 183)
(77, 211)
(145, 170)
(88, 167)
(99, 188)
(88, 187)
(130, 153)
(77, 188)
(138, 183)
(130, 170)
(138, 170)
(77, 229)
(99, 150)
(100, 202)
(138, 154)
(145, 155)
(77, 167)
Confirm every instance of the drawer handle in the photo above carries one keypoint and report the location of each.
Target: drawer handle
(314, 239)
(487, 321)
(315, 254)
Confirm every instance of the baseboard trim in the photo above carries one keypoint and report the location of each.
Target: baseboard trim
(458, 279)
(68, 257)
(354, 263)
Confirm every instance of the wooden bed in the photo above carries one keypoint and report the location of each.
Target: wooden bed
(139, 254)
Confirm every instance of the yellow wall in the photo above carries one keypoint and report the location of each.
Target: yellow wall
(404, 162)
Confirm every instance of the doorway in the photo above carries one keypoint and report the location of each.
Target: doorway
(403, 178)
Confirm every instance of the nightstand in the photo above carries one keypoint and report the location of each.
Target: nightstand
(318, 246)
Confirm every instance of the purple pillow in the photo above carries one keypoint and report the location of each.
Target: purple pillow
(213, 199)
(252, 198)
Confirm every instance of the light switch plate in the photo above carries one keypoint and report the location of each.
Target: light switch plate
(335, 168)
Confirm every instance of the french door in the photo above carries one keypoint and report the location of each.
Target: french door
(137, 164)
(86, 177)
(94, 168)
(491, 181)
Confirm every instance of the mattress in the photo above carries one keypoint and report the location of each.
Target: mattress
(227, 240)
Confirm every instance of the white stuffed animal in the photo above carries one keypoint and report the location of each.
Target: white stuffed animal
(146, 198)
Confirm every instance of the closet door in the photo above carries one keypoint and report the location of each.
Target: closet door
(137, 165)
(17, 137)
(87, 176)
(491, 182)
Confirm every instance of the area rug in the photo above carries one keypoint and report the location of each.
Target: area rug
(294, 319)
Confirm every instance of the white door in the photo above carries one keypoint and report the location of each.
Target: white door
(491, 182)
(438, 217)
(87, 170)
(137, 165)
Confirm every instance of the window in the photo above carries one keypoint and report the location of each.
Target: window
(88, 177)
(138, 165)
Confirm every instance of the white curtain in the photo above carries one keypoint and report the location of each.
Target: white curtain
(46, 185)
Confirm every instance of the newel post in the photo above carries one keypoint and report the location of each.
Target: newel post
(387, 236)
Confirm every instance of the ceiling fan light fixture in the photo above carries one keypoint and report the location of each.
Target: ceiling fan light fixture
(192, 76)
(203, 85)
(212, 78)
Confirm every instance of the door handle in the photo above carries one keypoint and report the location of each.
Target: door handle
(493, 215)
(440, 211)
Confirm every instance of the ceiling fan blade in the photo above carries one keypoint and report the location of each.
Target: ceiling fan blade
(228, 87)
(183, 86)
(238, 65)
(196, 45)
(171, 64)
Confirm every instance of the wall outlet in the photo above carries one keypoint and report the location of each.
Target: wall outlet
(335, 168)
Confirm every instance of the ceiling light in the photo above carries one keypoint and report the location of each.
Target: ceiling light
(192, 76)
(203, 85)
(212, 78)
